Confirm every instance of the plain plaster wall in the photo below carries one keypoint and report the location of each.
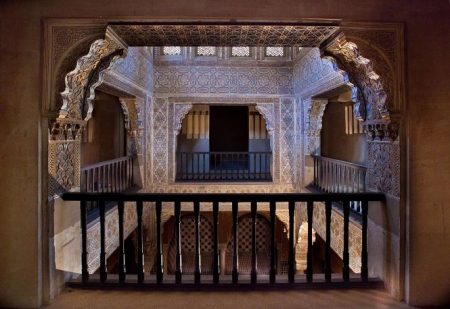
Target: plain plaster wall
(104, 136)
(23, 211)
(335, 143)
(428, 120)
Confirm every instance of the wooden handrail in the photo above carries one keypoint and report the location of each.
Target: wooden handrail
(176, 199)
(343, 163)
(112, 176)
(336, 176)
(107, 162)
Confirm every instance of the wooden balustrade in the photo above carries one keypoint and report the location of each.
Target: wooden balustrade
(112, 176)
(336, 176)
(145, 280)
(229, 166)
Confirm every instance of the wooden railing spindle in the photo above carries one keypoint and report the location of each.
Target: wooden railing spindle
(197, 270)
(235, 273)
(84, 252)
(346, 256)
(122, 261)
(159, 254)
(216, 257)
(197, 199)
(178, 261)
(273, 247)
(254, 257)
(103, 271)
(140, 231)
(291, 258)
(328, 241)
(364, 227)
(309, 256)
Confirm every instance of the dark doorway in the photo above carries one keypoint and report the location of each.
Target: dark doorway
(228, 128)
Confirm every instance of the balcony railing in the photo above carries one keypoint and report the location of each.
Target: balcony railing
(112, 176)
(223, 166)
(335, 176)
(142, 280)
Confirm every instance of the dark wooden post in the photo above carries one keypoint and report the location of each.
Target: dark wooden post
(364, 262)
(235, 273)
(216, 262)
(103, 271)
(122, 268)
(328, 241)
(159, 255)
(291, 259)
(140, 230)
(346, 256)
(84, 253)
(309, 257)
(253, 274)
(273, 247)
(197, 270)
(178, 262)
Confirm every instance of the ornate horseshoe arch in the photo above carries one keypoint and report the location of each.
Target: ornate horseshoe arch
(65, 132)
(381, 129)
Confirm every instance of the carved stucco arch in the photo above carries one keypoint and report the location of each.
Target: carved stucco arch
(265, 109)
(65, 131)
(87, 75)
(382, 130)
(362, 70)
(64, 63)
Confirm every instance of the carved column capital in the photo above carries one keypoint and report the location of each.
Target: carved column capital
(382, 130)
(314, 112)
(62, 129)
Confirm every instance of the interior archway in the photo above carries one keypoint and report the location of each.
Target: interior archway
(301, 103)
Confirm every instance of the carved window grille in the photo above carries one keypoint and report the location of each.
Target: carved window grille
(240, 51)
(352, 125)
(206, 51)
(274, 52)
(171, 50)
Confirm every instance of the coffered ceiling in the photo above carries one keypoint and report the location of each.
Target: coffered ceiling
(225, 34)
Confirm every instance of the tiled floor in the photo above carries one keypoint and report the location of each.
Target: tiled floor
(345, 299)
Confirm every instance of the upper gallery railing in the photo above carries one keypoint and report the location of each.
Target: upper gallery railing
(112, 176)
(175, 201)
(223, 166)
(336, 176)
